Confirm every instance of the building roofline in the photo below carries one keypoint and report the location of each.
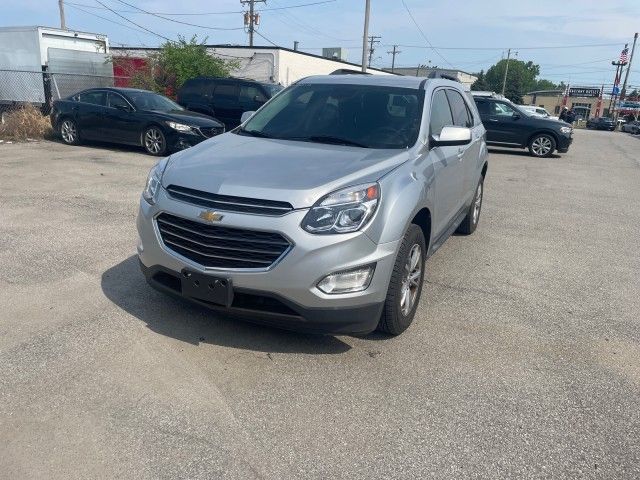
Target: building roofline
(431, 69)
(263, 47)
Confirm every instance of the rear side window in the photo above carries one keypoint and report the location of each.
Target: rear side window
(197, 88)
(248, 93)
(94, 98)
(226, 92)
(440, 113)
(459, 110)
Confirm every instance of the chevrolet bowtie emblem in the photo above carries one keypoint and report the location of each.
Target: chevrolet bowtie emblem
(210, 216)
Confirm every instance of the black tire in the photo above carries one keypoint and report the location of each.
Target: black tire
(154, 141)
(396, 318)
(68, 131)
(470, 222)
(542, 145)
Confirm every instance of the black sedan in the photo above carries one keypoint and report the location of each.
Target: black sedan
(601, 123)
(133, 117)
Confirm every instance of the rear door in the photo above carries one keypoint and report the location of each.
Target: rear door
(90, 112)
(226, 104)
(448, 167)
(197, 95)
(121, 122)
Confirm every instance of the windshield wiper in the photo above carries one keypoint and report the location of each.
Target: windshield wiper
(255, 133)
(331, 140)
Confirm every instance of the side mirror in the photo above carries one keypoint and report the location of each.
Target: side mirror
(246, 116)
(451, 136)
(516, 116)
(124, 108)
(260, 99)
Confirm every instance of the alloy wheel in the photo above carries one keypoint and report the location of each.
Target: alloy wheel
(68, 131)
(411, 280)
(542, 146)
(477, 204)
(154, 141)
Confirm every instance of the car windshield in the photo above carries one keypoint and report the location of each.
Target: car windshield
(272, 89)
(368, 116)
(152, 101)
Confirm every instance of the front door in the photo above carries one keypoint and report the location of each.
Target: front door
(448, 166)
(121, 124)
(503, 124)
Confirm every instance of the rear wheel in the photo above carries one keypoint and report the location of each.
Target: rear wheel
(406, 282)
(154, 141)
(470, 222)
(542, 145)
(69, 132)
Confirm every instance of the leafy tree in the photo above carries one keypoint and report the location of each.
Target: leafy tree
(166, 70)
(481, 83)
(521, 78)
(634, 94)
(543, 84)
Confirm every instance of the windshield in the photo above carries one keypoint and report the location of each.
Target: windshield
(152, 101)
(366, 116)
(272, 89)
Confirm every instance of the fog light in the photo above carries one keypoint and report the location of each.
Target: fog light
(355, 280)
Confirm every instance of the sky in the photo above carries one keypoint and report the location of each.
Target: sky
(580, 37)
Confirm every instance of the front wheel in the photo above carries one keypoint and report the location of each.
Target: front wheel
(154, 141)
(542, 145)
(406, 282)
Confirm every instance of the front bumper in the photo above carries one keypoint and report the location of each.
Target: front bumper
(177, 141)
(564, 142)
(286, 294)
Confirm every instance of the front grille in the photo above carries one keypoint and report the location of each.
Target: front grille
(221, 247)
(209, 132)
(229, 203)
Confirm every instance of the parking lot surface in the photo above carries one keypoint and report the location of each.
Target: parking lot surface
(523, 361)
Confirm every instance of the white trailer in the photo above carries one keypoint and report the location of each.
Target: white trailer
(32, 57)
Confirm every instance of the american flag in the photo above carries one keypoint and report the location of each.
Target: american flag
(624, 55)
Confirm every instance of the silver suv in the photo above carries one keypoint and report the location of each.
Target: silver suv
(319, 211)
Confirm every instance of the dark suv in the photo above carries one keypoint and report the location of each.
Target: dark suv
(225, 98)
(509, 126)
(601, 123)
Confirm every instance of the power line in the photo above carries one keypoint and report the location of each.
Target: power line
(179, 21)
(593, 45)
(423, 34)
(134, 23)
(261, 35)
(171, 14)
(301, 23)
(107, 19)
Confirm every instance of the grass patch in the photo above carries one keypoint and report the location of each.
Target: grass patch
(25, 123)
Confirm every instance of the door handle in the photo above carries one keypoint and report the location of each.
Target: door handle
(494, 120)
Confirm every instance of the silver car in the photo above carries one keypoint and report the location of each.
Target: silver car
(319, 211)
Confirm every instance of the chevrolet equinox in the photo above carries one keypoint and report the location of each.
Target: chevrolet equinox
(318, 212)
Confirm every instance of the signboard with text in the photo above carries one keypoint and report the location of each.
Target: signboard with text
(584, 92)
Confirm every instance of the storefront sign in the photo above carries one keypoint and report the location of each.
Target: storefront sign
(584, 92)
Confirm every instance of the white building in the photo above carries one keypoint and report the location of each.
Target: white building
(266, 64)
(421, 71)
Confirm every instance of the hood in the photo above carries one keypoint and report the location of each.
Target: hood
(193, 119)
(550, 121)
(291, 171)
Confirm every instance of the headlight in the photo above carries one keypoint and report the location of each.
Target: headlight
(181, 127)
(154, 181)
(566, 129)
(344, 211)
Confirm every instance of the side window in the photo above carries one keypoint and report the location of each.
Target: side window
(459, 109)
(93, 97)
(501, 109)
(114, 101)
(483, 107)
(248, 93)
(226, 93)
(440, 113)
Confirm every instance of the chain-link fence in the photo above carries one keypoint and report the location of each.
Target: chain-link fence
(19, 87)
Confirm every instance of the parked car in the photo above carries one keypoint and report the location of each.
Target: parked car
(539, 111)
(632, 127)
(601, 123)
(131, 117)
(318, 213)
(225, 98)
(508, 125)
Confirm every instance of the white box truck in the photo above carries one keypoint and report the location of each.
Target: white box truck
(41, 64)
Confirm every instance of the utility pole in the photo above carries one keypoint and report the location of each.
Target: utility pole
(616, 89)
(365, 35)
(251, 19)
(506, 70)
(373, 39)
(623, 92)
(63, 22)
(393, 58)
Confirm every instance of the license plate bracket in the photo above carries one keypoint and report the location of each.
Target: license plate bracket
(218, 290)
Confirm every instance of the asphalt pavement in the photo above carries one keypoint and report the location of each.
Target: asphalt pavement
(523, 360)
